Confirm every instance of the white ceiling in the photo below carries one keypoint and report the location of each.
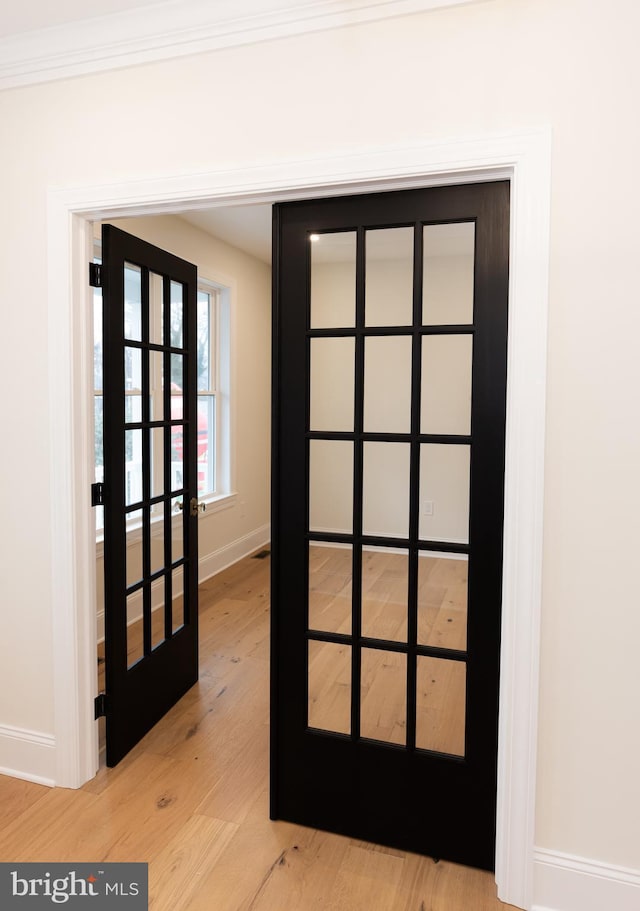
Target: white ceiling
(246, 227)
(37, 14)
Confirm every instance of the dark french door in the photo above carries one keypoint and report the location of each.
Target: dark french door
(390, 336)
(150, 485)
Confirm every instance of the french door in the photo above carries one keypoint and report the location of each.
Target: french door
(150, 485)
(390, 334)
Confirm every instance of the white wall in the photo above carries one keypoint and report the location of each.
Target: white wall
(237, 529)
(497, 66)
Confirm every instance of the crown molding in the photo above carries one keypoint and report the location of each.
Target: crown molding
(178, 28)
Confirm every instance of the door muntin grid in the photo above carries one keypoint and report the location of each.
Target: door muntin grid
(391, 676)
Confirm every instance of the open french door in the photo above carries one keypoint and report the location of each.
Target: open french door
(150, 485)
(390, 339)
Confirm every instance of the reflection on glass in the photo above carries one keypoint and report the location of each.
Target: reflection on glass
(177, 604)
(444, 484)
(385, 589)
(206, 451)
(157, 538)
(177, 457)
(133, 369)
(156, 308)
(333, 280)
(386, 489)
(331, 381)
(440, 705)
(387, 384)
(330, 485)
(389, 277)
(157, 461)
(156, 376)
(132, 408)
(447, 294)
(383, 695)
(329, 687)
(204, 345)
(330, 588)
(134, 562)
(445, 404)
(177, 308)
(135, 650)
(133, 466)
(177, 373)
(177, 532)
(442, 601)
(157, 613)
(132, 302)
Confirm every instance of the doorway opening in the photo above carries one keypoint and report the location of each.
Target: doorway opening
(522, 158)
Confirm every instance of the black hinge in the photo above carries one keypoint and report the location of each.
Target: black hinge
(100, 706)
(95, 275)
(97, 494)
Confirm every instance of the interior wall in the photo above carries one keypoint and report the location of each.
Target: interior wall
(492, 67)
(243, 525)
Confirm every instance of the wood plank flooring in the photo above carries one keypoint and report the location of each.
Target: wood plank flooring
(191, 799)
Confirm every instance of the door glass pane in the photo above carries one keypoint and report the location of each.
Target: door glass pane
(385, 588)
(157, 613)
(445, 404)
(389, 277)
(383, 694)
(444, 493)
(177, 533)
(204, 343)
(156, 373)
(132, 408)
(135, 649)
(177, 604)
(157, 461)
(333, 280)
(157, 538)
(329, 707)
(177, 457)
(177, 373)
(133, 466)
(386, 489)
(134, 562)
(156, 308)
(177, 310)
(206, 444)
(330, 570)
(331, 381)
(442, 601)
(447, 293)
(441, 705)
(133, 369)
(387, 384)
(132, 302)
(331, 486)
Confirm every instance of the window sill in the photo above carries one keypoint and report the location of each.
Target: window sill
(214, 504)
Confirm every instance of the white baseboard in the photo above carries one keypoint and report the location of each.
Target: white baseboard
(29, 755)
(208, 565)
(563, 882)
(226, 556)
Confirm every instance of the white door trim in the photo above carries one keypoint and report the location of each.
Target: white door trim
(525, 159)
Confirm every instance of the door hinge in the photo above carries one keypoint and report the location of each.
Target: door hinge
(95, 275)
(97, 494)
(100, 706)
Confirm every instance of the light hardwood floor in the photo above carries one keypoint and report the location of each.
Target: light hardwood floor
(191, 800)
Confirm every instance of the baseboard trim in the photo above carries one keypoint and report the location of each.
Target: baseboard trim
(208, 565)
(29, 755)
(564, 882)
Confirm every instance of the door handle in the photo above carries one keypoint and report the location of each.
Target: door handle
(194, 506)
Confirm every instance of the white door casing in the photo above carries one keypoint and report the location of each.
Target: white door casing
(524, 158)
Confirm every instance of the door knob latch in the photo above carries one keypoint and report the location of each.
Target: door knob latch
(195, 507)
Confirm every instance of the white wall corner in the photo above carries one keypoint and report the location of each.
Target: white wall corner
(29, 755)
(223, 557)
(563, 882)
(176, 29)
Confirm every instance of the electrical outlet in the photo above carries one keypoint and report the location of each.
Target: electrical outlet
(427, 507)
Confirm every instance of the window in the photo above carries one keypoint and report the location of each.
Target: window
(213, 349)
